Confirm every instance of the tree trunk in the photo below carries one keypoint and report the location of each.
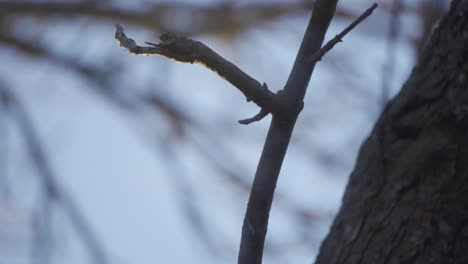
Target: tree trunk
(407, 198)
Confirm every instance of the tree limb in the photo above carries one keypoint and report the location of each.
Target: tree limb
(255, 118)
(255, 223)
(338, 38)
(189, 51)
(258, 209)
(284, 106)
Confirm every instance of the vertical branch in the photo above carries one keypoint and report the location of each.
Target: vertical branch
(261, 196)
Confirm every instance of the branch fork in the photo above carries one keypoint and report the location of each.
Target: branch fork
(186, 50)
(285, 107)
(317, 56)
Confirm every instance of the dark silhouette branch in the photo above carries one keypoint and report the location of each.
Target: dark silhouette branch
(255, 118)
(339, 38)
(255, 223)
(256, 218)
(189, 51)
(284, 106)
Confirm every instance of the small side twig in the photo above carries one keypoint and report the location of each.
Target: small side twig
(186, 50)
(317, 56)
(255, 118)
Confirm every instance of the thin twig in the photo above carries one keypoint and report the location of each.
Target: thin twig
(186, 50)
(255, 118)
(339, 38)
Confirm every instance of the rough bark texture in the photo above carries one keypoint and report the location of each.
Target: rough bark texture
(407, 198)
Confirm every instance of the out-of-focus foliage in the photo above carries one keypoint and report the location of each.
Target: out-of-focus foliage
(59, 55)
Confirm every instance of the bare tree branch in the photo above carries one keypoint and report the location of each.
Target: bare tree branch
(255, 223)
(189, 51)
(256, 218)
(255, 118)
(339, 38)
(284, 106)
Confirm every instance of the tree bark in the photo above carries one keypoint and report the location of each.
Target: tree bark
(407, 198)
